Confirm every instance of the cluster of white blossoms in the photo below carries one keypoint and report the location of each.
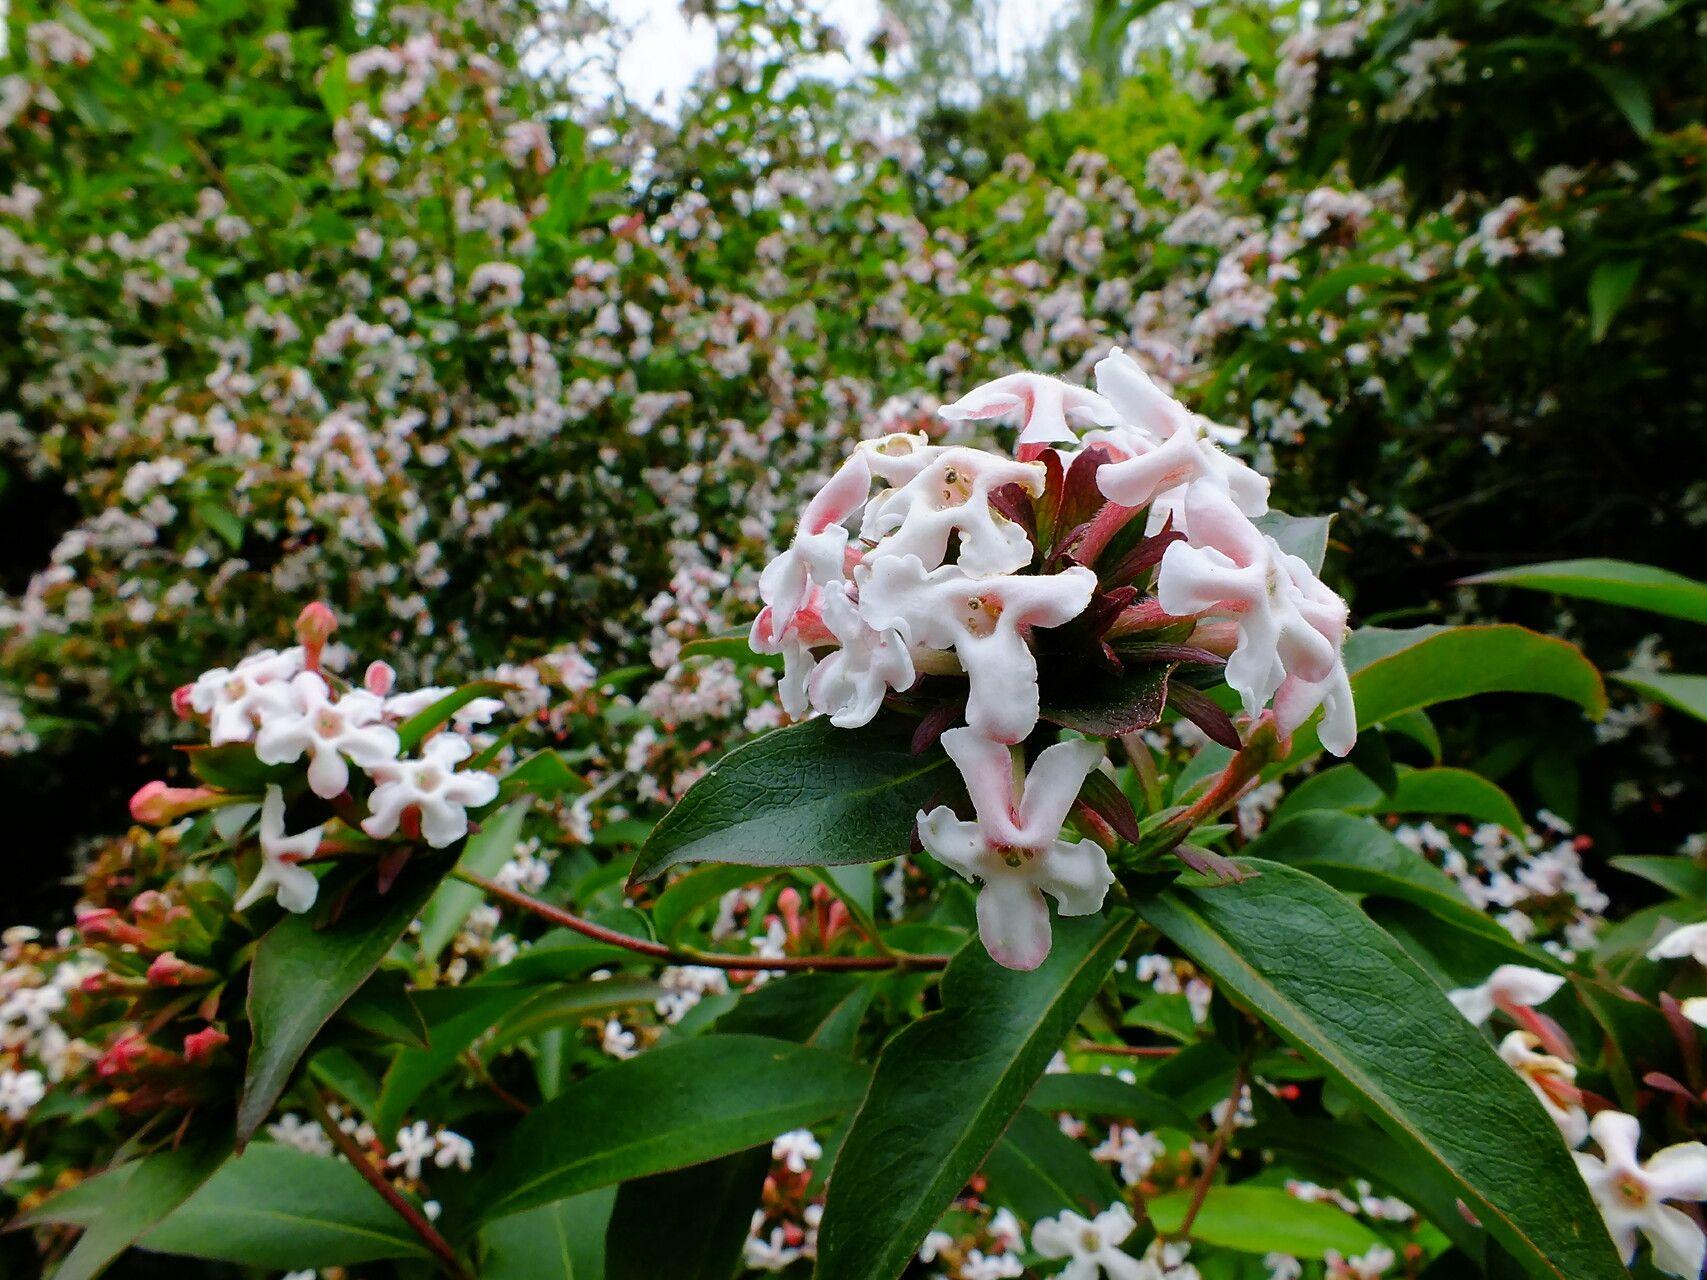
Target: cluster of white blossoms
(289, 708)
(1630, 1193)
(937, 574)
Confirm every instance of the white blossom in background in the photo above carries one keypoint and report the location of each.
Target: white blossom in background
(1632, 1195)
(1091, 1245)
(1510, 988)
(1014, 848)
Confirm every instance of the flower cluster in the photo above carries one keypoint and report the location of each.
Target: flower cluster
(1142, 532)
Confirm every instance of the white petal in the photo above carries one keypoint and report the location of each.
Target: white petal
(1679, 1246)
(987, 768)
(958, 845)
(1679, 1172)
(1616, 1134)
(1056, 777)
(1075, 873)
(1013, 921)
(1691, 940)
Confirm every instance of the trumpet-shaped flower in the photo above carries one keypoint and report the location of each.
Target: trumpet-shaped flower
(1297, 699)
(1047, 405)
(818, 553)
(986, 621)
(1510, 988)
(1093, 1244)
(238, 700)
(1631, 1195)
(1553, 1081)
(849, 685)
(332, 732)
(805, 631)
(898, 457)
(1015, 846)
(433, 788)
(1157, 473)
(1682, 944)
(1289, 624)
(951, 495)
(282, 874)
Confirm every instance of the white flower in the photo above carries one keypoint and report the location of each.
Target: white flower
(1553, 1081)
(1631, 1195)
(1121, 380)
(616, 1041)
(1093, 1244)
(796, 1150)
(1290, 626)
(1015, 848)
(849, 685)
(237, 700)
(986, 621)
(1005, 1230)
(1680, 944)
(1134, 1152)
(994, 1266)
(293, 884)
(453, 1149)
(20, 1091)
(291, 1130)
(13, 1169)
(768, 1253)
(415, 1146)
(1282, 1266)
(1510, 987)
(1368, 1266)
(433, 788)
(933, 1245)
(1045, 403)
(331, 732)
(818, 552)
(805, 631)
(951, 496)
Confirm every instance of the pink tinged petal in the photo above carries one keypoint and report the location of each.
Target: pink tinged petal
(1003, 702)
(1152, 470)
(1475, 1003)
(958, 845)
(1076, 875)
(443, 824)
(1013, 921)
(798, 665)
(782, 586)
(1046, 405)
(1138, 400)
(987, 768)
(1517, 984)
(1679, 1172)
(1296, 700)
(1679, 1247)
(898, 457)
(843, 495)
(1053, 784)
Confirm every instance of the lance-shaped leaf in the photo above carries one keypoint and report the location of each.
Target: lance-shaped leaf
(1308, 962)
(564, 1240)
(1395, 672)
(807, 795)
(302, 975)
(688, 1224)
(486, 851)
(1636, 586)
(680, 1104)
(117, 1207)
(1037, 1171)
(1264, 1220)
(280, 1208)
(1437, 791)
(946, 1088)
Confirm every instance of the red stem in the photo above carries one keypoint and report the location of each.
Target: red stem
(658, 951)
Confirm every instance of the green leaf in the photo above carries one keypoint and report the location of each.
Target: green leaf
(1608, 290)
(807, 795)
(682, 1103)
(1263, 1220)
(1037, 1171)
(947, 1087)
(283, 1209)
(384, 1008)
(687, 1224)
(335, 85)
(302, 976)
(1335, 283)
(1334, 985)
(700, 888)
(1636, 586)
(562, 1004)
(1680, 876)
(418, 726)
(1443, 791)
(544, 775)
(1685, 693)
(1395, 672)
(734, 647)
(235, 768)
(118, 1207)
(1108, 705)
(564, 1240)
(1629, 93)
(485, 852)
(222, 521)
(1085, 1094)
(1303, 536)
(821, 1009)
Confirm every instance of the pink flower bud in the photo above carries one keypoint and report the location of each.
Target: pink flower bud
(203, 1043)
(379, 679)
(181, 702)
(169, 971)
(123, 1056)
(156, 804)
(788, 904)
(314, 627)
(105, 925)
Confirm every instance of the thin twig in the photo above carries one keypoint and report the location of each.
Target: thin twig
(412, 1217)
(1128, 1050)
(1217, 1149)
(658, 951)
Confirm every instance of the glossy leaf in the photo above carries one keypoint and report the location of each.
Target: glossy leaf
(1303, 536)
(283, 1209)
(302, 976)
(687, 1224)
(807, 795)
(563, 1240)
(1635, 586)
(680, 1104)
(946, 1088)
(485, 852)
(1680, 692)
(1037, 1171)
(1335, 986)
(1263, 1220)
(1106, 705)
(1457, 792)
(414, 730)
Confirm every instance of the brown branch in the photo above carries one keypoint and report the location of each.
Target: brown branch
(1127, 1050)
(658, 951)
(412, 1217)
(1217, 1149)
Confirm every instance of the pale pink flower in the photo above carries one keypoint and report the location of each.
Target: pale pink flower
(1047, 406)
(332, 732)
(1015, 847)
(850, 684)
(281, 871)
(1631, 1195)
(433, 788)
(986, 621)
(238, 699)
(1510, 988)
(951, 496)
(1688, 942)
(818, 553)
(1552, 1080)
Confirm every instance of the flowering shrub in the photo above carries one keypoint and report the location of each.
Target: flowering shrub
(633, 870)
